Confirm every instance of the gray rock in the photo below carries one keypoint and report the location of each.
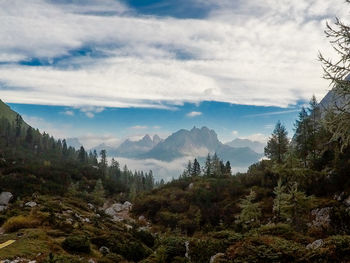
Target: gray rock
(347, 201)
(117, 207)
(91, 261)
(217, 256)
(142, 218)
(104, 250)
(5, 198)
(3, 208)
(110, 211)
(31, 204)
(127, 206)
(321, 217)
(91, 206)
(316, 244)
(190, 186)
(117, 218)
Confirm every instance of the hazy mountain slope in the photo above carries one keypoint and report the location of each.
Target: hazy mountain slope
(254, 145)
(8, 113)
(198, 143)
(73, 142)
(129, 148)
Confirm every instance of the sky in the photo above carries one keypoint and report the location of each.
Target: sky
(107, 70)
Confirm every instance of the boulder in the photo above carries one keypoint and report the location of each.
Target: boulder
(127, 206)
(31, 204)
(316, 244)
(347, 201)
(117, 207)
(321, 219)
(5, 198)
(91, 206)
(110, 211)
(216, 257)
(104, 250)
(3, 208)
(190, 186)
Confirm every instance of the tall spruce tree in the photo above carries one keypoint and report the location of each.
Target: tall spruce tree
(277, 145)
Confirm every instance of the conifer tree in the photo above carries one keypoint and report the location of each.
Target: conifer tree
(208, 167)
(196, 168)
(280, 202)
(250, 211)
(99, 192)
(277, 145)
(302, 135)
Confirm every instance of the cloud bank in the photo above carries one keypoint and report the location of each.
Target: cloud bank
(106, 54)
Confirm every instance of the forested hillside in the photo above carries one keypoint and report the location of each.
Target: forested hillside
(60, 204)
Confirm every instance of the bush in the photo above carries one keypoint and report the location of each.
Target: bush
(265, 249)
(18, 222)
(76, 244)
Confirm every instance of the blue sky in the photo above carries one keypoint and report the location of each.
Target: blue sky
(107, 70)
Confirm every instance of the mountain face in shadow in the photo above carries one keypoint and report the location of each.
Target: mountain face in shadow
(254, 145)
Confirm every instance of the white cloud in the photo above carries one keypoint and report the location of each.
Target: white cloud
(259, 137)
(235, 133)
(91, 140)
(139, 127)
(68, 113)
(246, 52)
(194, 114)
(163, 170)
(90, 111)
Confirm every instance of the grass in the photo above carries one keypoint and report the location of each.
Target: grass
(33, 242)
(18, 222)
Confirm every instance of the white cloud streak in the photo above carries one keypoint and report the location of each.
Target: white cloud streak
(253, 53)
(193, 114)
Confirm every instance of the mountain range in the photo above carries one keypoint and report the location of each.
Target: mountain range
(254, 145)
(197, 142)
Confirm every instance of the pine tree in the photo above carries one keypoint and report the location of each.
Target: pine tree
(280, 202)
(277, 145)
(208, 166)
(315, 126)
(196, 168)
(82, 155)
(228, 171)
(250, 211)
(298, 205)
(103, 162)
(99, 192)
(302, 135)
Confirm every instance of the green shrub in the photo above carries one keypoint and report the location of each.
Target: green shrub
(265, 249)
(76, 244)
(145, 236)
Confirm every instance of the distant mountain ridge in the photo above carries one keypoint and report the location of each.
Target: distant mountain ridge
(254, 145)
(129, 148)
(194, 143)
(198, 143)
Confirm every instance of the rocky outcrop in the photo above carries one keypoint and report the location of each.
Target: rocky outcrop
(119, 212)
(321, 219)
(5, 198)
(316, 244)
(31, 204)
(215, 258)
